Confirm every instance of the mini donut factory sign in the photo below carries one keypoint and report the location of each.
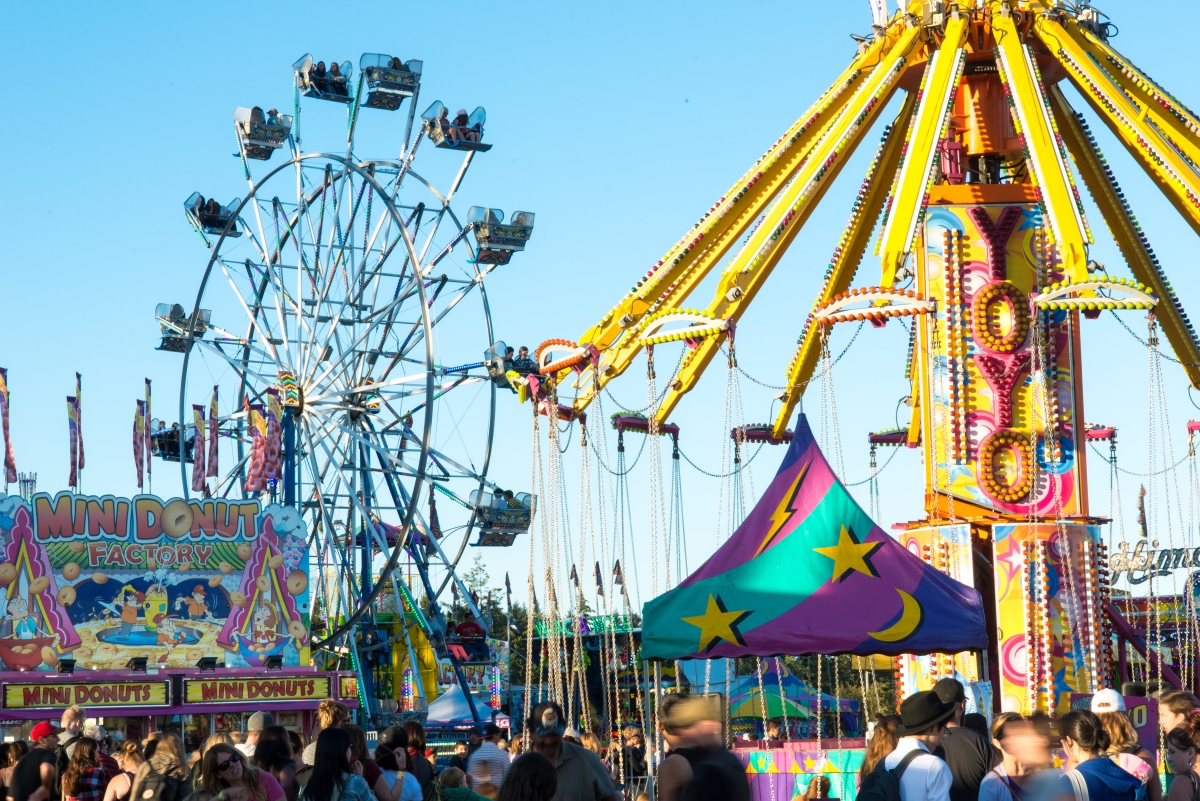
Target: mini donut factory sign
(102, 579)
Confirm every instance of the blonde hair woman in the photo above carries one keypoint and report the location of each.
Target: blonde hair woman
(129, 759)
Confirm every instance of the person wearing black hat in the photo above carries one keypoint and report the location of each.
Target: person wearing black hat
(923, 719)
(968, 754)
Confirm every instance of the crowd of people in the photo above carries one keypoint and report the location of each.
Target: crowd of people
(929, 752)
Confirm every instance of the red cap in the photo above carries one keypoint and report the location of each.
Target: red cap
(43, 729)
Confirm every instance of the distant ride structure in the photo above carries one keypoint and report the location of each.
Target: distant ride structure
(337, 327)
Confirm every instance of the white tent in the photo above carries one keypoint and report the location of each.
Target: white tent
(451, 709)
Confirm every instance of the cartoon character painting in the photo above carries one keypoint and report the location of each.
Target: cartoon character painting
(129, 603)
(24, 626)
(265, 621)
(197, 605)
(103, 579)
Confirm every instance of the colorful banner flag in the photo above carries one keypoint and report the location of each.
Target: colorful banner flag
(139, 440)
(808, 572)
(256, 472)
(213, 430)
(198, 436)
(73, 425)
(79, 411)
(149, 430)
(10, 461)
(274, 463)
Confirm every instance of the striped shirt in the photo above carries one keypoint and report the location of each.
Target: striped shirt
(488, 764)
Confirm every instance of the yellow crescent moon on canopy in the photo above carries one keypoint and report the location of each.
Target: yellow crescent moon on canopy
(910, 620)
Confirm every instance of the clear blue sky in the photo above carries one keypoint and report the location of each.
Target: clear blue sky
(617, 123)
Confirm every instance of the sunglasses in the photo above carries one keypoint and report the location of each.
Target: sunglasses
(224, 766)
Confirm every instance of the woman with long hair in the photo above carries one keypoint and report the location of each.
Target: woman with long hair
(164, 757)
(336, 775)
(418, 765)
(227, 772)
(16, 751)
(197, 768)
(883, 742)
(391, 754)
(129, 759)
(1091, 773)
(531, 778)
(1124, 747)
(372, 774)
(84, 779)
(330, 715)
(273, 753)
(817, 788)
(1183, 745)
(1174, 707)
(591, 741)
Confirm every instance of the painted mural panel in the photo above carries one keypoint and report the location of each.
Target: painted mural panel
(994, 374)
(1048, 614)
(102, 580)
(947, 548)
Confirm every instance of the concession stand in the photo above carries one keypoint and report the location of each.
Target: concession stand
(156, 614)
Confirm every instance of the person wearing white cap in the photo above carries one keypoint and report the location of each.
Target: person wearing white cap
(1125, 749)
(458, 127)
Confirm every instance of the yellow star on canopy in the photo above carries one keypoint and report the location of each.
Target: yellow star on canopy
(717, 624)
(850, 555)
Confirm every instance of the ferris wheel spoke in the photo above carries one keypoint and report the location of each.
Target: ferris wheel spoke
(442, 460)
(302, 268)
(374, 324)
(231, 475)
(245, 372)
(228, 338)
(254, 317)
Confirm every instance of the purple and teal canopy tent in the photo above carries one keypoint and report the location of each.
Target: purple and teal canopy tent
(808, 572)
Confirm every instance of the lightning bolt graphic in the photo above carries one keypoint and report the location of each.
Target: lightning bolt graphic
(784, 511)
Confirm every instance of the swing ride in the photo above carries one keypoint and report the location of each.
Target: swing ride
(975, 212)
(336, 317)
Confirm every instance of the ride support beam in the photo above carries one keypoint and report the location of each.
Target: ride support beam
(693, 257)
(1058, 195)
(847, 258)
(935, 99)
(1175, 121)
(749, 269)
(1175, 177)
(1132, 244)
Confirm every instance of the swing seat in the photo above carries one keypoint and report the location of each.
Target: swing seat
(211, 223)
(494, 240)
(437, 128)
(385, 86)
(326, 87)
(173, 326)
(495, 539)
(166, 445)
(258, 139)
(498, 514)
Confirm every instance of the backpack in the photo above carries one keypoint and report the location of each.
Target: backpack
(882, 784)
(716, 774)
(433, 792)
(61, 760)
(158, 787)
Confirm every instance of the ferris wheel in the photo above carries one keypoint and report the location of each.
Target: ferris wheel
(340, 329)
